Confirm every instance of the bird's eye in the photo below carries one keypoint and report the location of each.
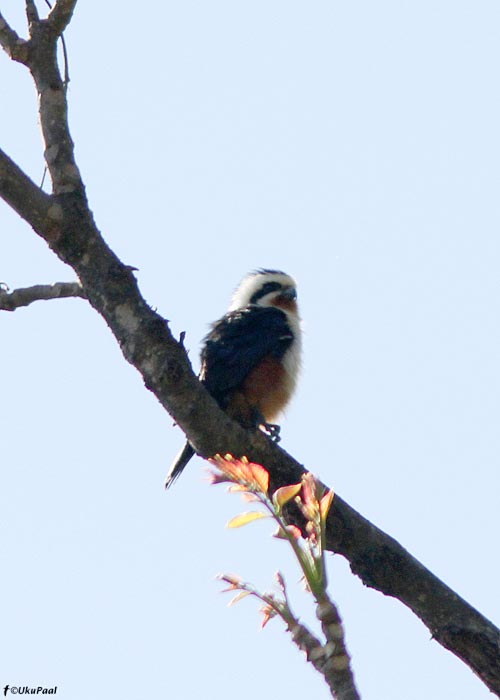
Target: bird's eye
(266, 288)
(271, 287)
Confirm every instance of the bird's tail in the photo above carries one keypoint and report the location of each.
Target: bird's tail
(178, 464)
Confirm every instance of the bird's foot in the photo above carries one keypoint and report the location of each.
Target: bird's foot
(272, 430)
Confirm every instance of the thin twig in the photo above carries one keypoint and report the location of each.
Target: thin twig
(65, 58)
(10, 301)
(66, 62)
(329, 659)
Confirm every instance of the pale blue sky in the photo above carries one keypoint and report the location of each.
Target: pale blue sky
(354, 145)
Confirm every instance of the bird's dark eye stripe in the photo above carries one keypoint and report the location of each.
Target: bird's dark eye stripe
(265, 289)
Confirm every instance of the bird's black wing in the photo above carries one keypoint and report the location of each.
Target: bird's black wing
(238, 342)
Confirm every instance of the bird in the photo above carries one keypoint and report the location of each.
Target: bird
(251, 357)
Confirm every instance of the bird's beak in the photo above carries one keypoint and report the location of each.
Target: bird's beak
(286, 299)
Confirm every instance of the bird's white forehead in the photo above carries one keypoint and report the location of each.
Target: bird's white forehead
(253, 283)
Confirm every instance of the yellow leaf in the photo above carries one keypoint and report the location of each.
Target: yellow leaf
(325, 503)
(291, 529)
(238, 597)
(244, 518)
(260, 475)
(285, 494)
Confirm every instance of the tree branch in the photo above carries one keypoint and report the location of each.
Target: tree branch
(53, 108)
(26, 198)
(66, 223)
(61, 14)
(337, 668)
(10, 301)
(12, 43)
(382, 563)
(31, 12)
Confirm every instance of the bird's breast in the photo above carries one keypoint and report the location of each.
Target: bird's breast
(268, 387)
